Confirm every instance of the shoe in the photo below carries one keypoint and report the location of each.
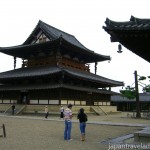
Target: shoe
(83, 137)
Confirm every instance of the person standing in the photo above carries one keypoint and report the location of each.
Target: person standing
(68, 122)
(46, 112)
(61, 112)
(13, 109)
(82, 119)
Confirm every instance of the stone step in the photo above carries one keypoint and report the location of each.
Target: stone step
(143, 135)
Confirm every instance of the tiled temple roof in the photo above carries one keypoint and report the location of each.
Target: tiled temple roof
(53, 33)
(55, 86)
(47, 70)
(133, 34)
(133, 24)
(143, 97)
(57, 38)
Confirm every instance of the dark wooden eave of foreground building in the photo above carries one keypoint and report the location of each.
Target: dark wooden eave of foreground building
(55, 67)
(133, 34)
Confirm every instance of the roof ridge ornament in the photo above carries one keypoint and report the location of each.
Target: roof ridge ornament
(107, 21)
(119, 48)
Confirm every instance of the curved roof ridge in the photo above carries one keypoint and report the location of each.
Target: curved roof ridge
(55, 28)
(42, 26)
(139, 20)
(81, 43)
(76, 45)
(33, 31)
(117, 23)
(59, 33)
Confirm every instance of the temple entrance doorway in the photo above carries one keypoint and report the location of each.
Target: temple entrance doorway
(24, 98)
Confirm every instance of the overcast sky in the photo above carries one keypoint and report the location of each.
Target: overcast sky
(83, 19)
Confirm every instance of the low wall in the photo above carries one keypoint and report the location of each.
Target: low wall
(109, 109)
(4, 107)
(41, 108)
(75, 109)
(53, 108)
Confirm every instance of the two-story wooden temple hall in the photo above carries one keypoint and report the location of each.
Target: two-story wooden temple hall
(55, 70)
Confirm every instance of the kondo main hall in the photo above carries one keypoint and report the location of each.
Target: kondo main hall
(55, 70)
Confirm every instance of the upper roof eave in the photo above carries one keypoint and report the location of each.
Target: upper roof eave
(55, 35)
(23, 51)
(90, 52)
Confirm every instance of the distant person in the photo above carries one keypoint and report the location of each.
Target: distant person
(68, 122)
(61, 112)
(82, 119)
(46, 112)
(13, 109)
(24, 99)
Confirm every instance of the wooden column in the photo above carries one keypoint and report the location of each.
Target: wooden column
(89, 101)
(95, 67)
(59, 96)
(14, 62)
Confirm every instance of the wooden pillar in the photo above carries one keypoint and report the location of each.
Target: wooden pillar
(89, 101)
(60, 96)
(95, 67)
(14, 62)
(23, 65)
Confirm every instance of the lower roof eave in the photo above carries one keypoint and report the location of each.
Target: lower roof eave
(56, 86)
(21, 73)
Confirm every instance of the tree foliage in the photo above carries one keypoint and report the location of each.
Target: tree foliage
(142, 78)
(146, 88)
(129, 92)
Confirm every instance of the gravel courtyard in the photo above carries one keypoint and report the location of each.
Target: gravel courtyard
(36, 133)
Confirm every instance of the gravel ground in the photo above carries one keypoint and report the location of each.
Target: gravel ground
(36, 133)
(120, 118)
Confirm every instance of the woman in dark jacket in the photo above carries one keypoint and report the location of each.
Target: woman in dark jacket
(82, 119)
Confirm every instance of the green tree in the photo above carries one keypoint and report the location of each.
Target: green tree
(146, 88)
(132, 92)
(129, 92)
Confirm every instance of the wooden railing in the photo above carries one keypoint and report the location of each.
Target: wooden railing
(74, 64)
(56, 60)
(40, 62)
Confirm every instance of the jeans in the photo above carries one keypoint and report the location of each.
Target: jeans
(67, 132)
(82, 127)
(46, 115)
